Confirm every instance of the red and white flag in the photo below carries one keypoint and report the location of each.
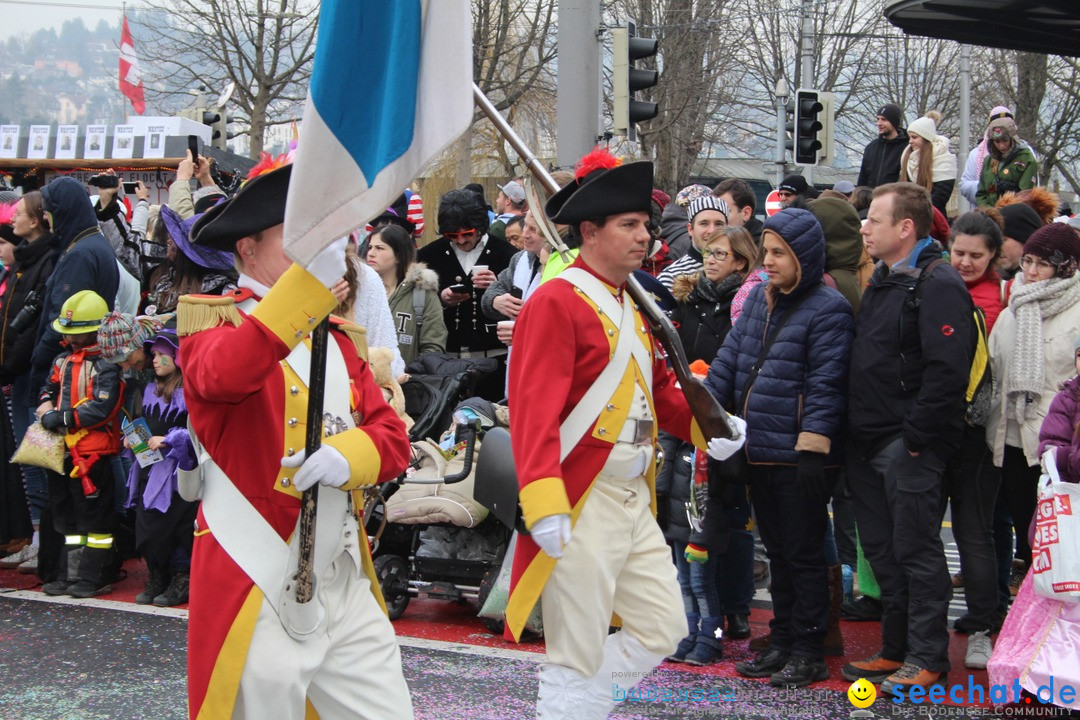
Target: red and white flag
(130, 75)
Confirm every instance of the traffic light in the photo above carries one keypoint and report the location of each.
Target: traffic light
(218, 121)
(626, 79)
(789, 126)
(808, 127)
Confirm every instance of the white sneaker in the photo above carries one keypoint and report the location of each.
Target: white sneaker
(14, 560)
(29, 567)
(978, 652)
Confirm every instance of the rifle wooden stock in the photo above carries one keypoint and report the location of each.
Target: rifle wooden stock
(710, 417)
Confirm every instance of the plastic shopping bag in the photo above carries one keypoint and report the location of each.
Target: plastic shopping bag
(1055, 564)
(494, 606)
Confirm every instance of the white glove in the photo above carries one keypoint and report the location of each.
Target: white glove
(329, 265)
(721, 449)
(327, 466)
(551, 533)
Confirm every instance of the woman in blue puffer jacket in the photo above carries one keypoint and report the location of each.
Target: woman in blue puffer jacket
(797, 333)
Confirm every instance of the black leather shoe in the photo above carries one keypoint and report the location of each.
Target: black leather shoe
(738, 627)
(764, 665)
(865, 608)
(800, 672)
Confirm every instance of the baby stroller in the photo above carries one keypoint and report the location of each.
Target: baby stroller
(437, 383)
(432, 534)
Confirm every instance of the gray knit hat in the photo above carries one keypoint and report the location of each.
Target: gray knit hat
(121, 334)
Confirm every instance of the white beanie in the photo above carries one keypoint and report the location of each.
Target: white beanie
(926, 126)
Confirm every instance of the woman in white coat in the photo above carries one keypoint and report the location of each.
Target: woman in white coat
(1031, 355)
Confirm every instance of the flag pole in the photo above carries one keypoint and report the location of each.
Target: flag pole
(711, 418)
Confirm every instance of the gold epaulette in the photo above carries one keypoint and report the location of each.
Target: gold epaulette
(354, 332)
(196, 313)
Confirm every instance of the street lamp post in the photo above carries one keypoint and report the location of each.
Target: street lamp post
(781, 93)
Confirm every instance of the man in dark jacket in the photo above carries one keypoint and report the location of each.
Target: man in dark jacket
(881, 158)
(797, 333)
(467, 257)
(909, 372)
(87, 262)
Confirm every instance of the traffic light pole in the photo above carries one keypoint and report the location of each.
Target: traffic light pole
(806, 51)
(578, 110)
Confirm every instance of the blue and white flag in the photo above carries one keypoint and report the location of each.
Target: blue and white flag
(390, 89)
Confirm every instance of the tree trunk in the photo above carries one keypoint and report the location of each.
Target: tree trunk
(463, 173)
(257, 131)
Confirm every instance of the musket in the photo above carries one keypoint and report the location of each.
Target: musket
(309, 501)
(710, 417)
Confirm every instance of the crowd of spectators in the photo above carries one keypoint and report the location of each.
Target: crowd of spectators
(846, 331)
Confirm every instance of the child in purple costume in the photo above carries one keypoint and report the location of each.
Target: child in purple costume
(164, 521)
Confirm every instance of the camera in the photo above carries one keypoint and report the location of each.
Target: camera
(30, 309)
(104, 181)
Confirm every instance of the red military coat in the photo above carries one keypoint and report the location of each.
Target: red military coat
(241, 398)
(561, 345)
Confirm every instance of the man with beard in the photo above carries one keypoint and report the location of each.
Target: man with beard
(881, 159)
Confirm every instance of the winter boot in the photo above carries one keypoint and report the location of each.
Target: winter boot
(738, 627)
(177, 592)
(708, 648)
(687, 643)
(67, 574)
(155, 585)
(834, 641)
(93, 565)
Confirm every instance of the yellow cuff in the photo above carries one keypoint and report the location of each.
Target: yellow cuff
(543, 497)
(813, 442)
(364, 461)
(696, 438)
(295, 304)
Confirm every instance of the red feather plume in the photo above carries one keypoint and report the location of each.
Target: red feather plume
(599, 158)
(268, 163)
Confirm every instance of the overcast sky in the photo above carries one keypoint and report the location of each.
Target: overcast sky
(31, 15)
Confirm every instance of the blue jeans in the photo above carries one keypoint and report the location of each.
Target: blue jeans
(697, 581)
(22, 415)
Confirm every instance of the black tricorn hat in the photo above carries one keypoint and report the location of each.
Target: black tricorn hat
(259, 204)
(603, 192)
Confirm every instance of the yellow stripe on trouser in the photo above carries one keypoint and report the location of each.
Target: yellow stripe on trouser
(74, 539)
(99, 541)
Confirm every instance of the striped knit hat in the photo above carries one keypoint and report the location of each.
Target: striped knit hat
(708, 202)
(121, 334)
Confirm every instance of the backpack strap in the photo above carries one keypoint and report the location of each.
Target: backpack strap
(914, 301)
(418, 302)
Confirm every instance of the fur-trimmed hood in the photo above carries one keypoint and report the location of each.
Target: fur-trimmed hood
(1039, 199)
(683, 286)
(420, 275)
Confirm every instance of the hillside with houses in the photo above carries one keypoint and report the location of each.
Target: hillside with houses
(65, 77)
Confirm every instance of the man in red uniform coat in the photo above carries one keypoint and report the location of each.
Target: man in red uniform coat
(252, 652)
(587, 392)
